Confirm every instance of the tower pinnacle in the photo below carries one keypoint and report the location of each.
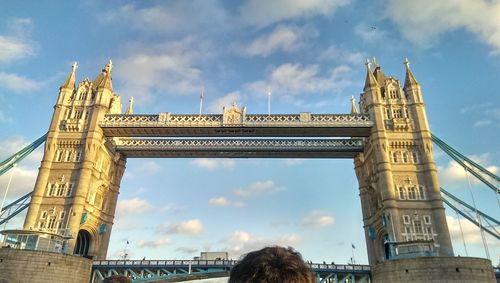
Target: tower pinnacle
(409, 78)
(370, 81)
(354, 110)
(130, 111)
(70, 81)
(103, 80)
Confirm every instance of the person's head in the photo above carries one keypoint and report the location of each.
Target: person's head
(271, 265)
(117, 279)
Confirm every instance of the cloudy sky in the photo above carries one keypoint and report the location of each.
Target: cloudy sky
(310, 53)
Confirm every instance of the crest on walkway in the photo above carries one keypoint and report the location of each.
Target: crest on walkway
(233, 115)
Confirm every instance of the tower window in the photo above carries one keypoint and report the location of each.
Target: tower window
(395, 157)
(59, 155)
(70, 189)
(78, 114)
(405, 157)
(398, 113)
(414, 155)
(412, 194)
(406, 219)
(427, 219)
(43, 215)
(418, 226)
(52, 222)
(421, 192)
(402, 193)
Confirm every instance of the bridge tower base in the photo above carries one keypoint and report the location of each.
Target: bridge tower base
(434, 269)
(43, 267)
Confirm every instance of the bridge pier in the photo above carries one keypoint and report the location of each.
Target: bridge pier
(43, 267)
(434, 269)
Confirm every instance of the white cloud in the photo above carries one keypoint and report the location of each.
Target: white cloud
(5, 118)
(165, 69)
(188, 227)
(23, 181)
(149, 167)
(18, 83)
(223, 201)
(317, 219)
(334, 53)
(15, 45)
(482, 123)
(430, 19)
(226, 100)
(241, 242)
(133, 206)
(172, 17)
(370, 33)
(263, 12)
(282, 38)
(471, 233)
(294, 79)
(154, 243)
(454, 173)
(257, 189)
(212, 163)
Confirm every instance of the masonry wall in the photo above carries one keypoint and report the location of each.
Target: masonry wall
(23, 266)
(434, 269)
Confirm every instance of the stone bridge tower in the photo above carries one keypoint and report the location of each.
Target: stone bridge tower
(78, 181)
(398, 182)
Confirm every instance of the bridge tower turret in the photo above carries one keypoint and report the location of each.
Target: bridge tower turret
(78, 181)
(398, 183)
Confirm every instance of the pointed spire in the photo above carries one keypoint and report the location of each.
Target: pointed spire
(409, 78)
(354, 110)
(104, 79)
(130, 104)
(370, 81)
(70, 81)
(378, 73)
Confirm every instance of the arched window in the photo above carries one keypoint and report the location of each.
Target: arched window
(402, 192)
(412, 194)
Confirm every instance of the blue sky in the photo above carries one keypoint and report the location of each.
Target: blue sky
(311, 55)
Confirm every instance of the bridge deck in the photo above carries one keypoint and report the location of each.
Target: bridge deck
(294, 125)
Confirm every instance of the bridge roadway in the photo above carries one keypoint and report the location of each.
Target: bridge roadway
(181, 270)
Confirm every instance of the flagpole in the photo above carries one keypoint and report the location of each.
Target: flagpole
(352, 250)
(269, 102)
(201, 98)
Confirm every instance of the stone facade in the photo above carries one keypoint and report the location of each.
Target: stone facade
(79, 178)
(434, 269)
(398, 183)
(23, 266)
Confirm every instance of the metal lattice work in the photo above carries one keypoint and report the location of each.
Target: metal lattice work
(152, 270)
(297, 125)
(14, 208)
(319, 148)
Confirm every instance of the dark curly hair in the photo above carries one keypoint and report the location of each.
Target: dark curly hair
(271, 265)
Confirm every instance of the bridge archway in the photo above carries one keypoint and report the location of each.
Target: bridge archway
(83, 243)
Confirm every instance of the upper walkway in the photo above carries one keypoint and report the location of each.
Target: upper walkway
(286, 125)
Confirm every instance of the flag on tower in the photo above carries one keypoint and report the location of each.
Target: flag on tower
(353, 246)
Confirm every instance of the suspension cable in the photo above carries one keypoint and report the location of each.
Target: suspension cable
(485, 245)
(462, 233)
